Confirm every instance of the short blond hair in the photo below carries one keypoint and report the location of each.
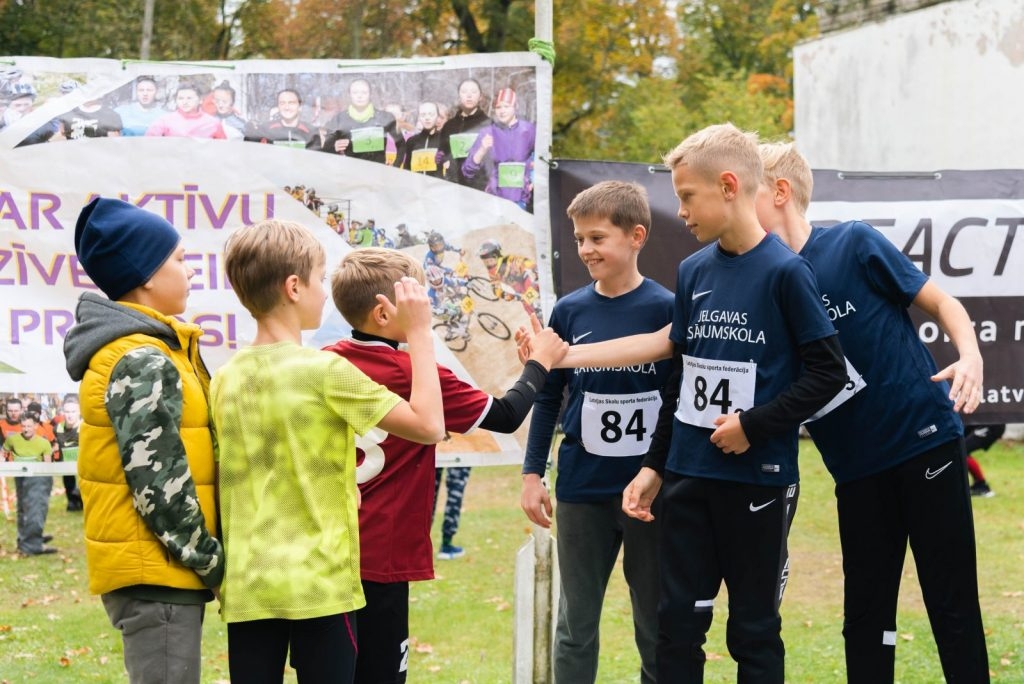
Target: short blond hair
(718, 148)
(781, 160)
(624, 204)
(260, 257)
(365, 273)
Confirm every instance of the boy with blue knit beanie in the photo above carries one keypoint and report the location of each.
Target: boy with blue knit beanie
(146, 460)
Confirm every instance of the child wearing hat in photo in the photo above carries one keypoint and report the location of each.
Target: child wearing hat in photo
(146, 460)
(504, 152)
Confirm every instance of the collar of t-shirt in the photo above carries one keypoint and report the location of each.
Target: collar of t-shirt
(366, 337)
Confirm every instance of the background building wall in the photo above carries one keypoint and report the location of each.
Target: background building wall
(936, 88)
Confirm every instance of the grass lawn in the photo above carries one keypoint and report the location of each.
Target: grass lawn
(52, 630)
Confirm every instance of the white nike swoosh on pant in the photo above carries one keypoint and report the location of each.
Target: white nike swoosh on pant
(929, 475)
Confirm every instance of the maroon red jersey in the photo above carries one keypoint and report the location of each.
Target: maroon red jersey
(396, 476)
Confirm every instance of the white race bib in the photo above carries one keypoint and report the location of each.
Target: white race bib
(714, 388)
(619, 424)
(854, 384)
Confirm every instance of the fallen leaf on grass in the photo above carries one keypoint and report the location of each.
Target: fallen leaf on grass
(1013, 594)
(424, 648)
(907, 636)
(710, 655)
(1005, 662)
(104, 660)
(504, 605)
(65, 661)
(5, 628)
(434, 669)
(808, 623)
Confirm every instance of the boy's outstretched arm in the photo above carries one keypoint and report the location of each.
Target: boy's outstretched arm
(508, 413)
(965, 375)
(622, 351)
(421, 419)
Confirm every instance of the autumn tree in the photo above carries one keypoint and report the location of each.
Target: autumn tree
(631, 78)
(186, 30)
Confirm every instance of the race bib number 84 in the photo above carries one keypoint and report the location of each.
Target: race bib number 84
(714, 388)
(619, 424)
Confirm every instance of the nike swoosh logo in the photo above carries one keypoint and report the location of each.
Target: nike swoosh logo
(577, 338)
(755, 509)
(698, 295)
(929, 475)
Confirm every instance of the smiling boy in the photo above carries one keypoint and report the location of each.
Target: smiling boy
(609, 419)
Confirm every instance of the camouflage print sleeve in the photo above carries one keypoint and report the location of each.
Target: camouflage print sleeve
(144, 402)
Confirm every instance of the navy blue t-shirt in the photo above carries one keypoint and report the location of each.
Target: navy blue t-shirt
(741, 320)
(610, 414)
(867, 285)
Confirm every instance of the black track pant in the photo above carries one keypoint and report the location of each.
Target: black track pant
(925, 501)
(715, 531)
(323, 650)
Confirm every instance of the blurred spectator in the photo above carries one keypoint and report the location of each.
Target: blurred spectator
(286, 128)
(139, 115)
(188, 120)
(360, 131)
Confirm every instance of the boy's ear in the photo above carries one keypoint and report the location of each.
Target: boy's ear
(782, 192)
(639, 235)
(730, 184)
(379, 315)
(291, 288)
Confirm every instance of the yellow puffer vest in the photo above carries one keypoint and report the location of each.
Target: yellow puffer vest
(120, 549)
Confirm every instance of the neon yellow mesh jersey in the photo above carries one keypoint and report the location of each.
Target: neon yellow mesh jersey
(285, 418)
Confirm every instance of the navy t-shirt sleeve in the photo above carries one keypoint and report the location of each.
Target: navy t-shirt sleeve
(801, 302)
(888, 270)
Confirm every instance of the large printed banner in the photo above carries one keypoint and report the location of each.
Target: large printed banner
(437, 158)
(959, 227)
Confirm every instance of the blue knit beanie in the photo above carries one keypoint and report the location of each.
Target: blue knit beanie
(121, 246)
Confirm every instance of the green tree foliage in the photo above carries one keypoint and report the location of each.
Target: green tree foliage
(733, 63)
(183, 30)
(632, 77)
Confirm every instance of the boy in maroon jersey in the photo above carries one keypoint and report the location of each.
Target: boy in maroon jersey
(395, 476)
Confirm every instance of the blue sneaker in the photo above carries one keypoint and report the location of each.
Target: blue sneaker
(450, 552)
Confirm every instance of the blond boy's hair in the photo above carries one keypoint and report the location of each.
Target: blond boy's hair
(365, 273)
(259, 257)
(781, 160)
(718, 148)
(624, 204)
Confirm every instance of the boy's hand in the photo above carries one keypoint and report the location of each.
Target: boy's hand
(547, 347)
(411, 308)
(729, 435)
(639, 494)
(535, 500)
(964, 382)
(524, 339)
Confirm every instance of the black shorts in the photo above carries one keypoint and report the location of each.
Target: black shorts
(383, 634)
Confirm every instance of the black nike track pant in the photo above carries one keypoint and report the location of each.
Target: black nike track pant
(715, 531)
(925, 501)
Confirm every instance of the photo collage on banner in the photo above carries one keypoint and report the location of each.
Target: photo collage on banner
(437, 158)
